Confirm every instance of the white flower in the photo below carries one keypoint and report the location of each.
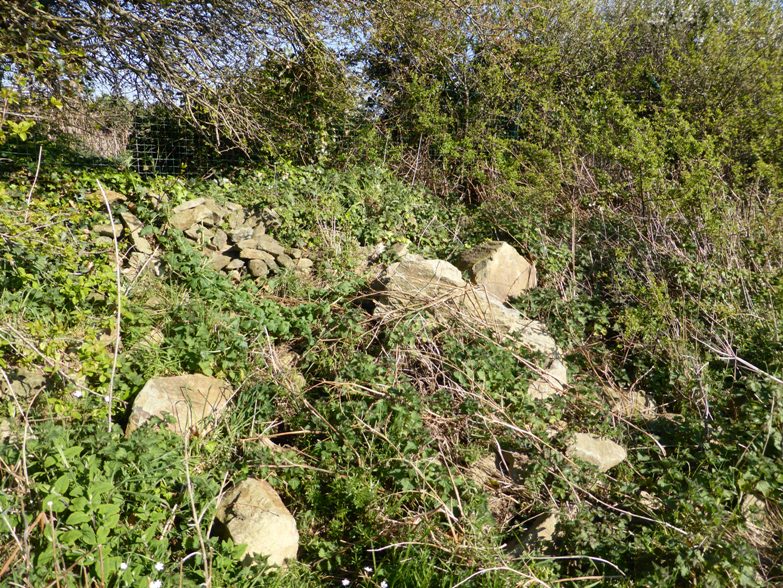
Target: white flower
(384, 584)
(50, 504)
(123, 566)
(346, 582)
(367, 569)
(159, 567)
(107, 399)
(77, 394)
(156, 584)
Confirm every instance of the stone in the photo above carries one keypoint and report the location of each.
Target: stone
(235, 276)
(285, 261)
(193, 400)
(25, 383)
(107, 231)
(253, 514)
(255, 254)
(598, 451)
(236, 218)
(111, 196)
(193, 233)
(303, 265)
(631, 404)
(134, 226)
(240, 234)
(552, 381)
(541, 529)
(236, 264)
(257, 268)
(267, 243)
(499, 268)
(220, 241)
(188, 205)
(218, 261)
(187, 218)
(247, 244)
(259, 230)
(399, 250)
(295, 253)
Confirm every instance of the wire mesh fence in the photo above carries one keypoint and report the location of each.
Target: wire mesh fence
(148, 140)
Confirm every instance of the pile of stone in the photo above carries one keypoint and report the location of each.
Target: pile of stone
(497, 272)
(235, 242)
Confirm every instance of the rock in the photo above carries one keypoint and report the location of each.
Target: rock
(220, 242)
(295, 253)
(134, 226)
(111, 196)
(235, 276)
(253, 514)
(257, 268)
(186, 218)
(399, 250)
(239, 235)
(259, 230)
(285, 261)
(256, 254)
(188, 205)
(267, 243)
(25, 383)
(303, 265)
(631, 404)
(193, 400)
(193, 233)
(499, 268)
(247, 244)
(541, 529)
(552, 381)
(218, 261)
(107, 231)
(598, 451)
(236, 218)
(236, 264)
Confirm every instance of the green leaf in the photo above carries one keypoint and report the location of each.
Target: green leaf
(77, 518)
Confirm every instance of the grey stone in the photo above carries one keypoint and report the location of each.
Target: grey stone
(303, 264)
(236, 264)
(257, 268)
(236, 218)
(188, 205)
(106, 230)
(193, 400)
(247, 244)
(240, 234)
(499, 268)
(218, 261)
(285, 261)
(220, 241)
(254, 254)
(259, 230)
(189, 217)
(598, 451)
(295, 253)
(235, 276)
(268, 244)
(253, 514)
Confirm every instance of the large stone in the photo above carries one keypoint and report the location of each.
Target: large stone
(268, 244)
(631, 404)
(286, 261)
(185, 219)
(253, 514)
(257, 268)
(598, 451)
(218, 261)
(499, 268)
(193, 400)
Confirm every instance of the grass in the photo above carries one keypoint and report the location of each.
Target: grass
(373, 428)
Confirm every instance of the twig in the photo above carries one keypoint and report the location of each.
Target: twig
(119, 301)
(35, 181)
